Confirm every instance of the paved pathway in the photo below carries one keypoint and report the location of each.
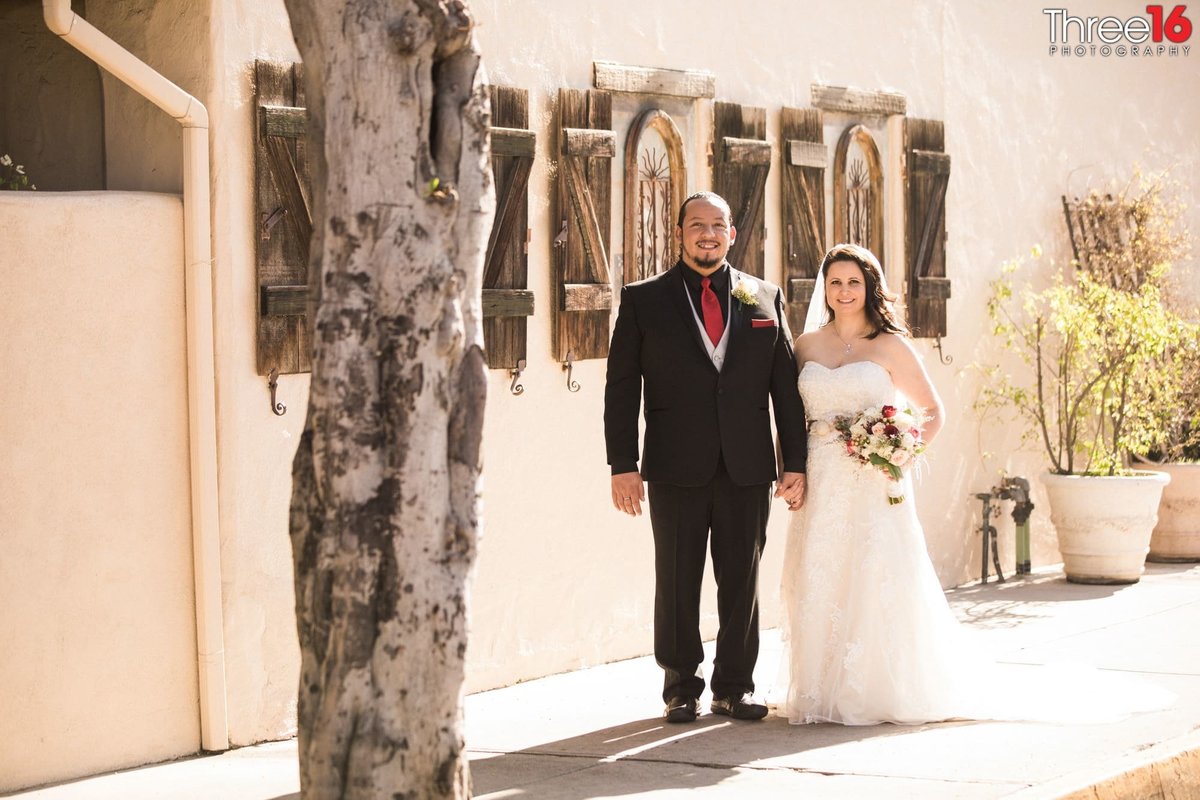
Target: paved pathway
(596, 732)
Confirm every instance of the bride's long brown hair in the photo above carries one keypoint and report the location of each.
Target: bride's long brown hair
(881, 312)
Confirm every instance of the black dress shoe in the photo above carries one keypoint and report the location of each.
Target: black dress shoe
(739, 707)
(681, 709)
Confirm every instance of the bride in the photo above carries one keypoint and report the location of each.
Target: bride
(870, 637)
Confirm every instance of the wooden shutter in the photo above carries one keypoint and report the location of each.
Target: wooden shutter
(507, 301)
(283, 220)
(927, 174)
(803, 158)
(585, 147)
(741, 160)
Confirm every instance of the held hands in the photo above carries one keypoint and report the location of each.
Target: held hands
(628, 493)
(791, 488)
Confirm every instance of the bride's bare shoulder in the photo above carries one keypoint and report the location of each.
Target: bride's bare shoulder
(807, 338)
(893, 344)
(804, 342)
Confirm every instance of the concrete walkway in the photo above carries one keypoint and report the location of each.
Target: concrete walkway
(596, 732)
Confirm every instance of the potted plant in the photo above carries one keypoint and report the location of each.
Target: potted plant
(1086, 349)
(1139, 238)
(1176, 537)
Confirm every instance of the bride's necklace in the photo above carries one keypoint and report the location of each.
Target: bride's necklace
(843, 341)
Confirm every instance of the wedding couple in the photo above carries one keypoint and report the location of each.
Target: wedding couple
(869, 635)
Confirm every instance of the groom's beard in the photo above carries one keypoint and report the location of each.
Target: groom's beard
(706, 258)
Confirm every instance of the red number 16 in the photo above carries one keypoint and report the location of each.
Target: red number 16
(1177, 27)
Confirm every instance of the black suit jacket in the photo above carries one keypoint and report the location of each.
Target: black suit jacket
(695, 414)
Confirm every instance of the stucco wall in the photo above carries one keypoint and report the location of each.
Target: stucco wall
(563, 580)
(143, 146)
(57, 132)
(209, 50)
(262, 661)
(98, 628)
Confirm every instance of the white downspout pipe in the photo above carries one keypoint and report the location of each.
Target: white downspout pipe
(202, 411)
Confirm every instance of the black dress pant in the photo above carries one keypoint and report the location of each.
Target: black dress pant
(682, 517)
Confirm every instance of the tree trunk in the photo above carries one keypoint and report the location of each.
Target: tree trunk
(385, 502)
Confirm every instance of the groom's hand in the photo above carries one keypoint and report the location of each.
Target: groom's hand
(628, 492)
(791, 488)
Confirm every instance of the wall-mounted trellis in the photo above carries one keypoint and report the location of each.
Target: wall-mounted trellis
(858, 190)
(655, 187)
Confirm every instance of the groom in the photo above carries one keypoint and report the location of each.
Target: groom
(705, 345)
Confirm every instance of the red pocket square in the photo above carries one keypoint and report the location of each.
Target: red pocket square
(762, 323)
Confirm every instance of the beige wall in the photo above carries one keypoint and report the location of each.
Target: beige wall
(262, 658)
(57, 133)
(98, 627)
(209, 50)
(562, 580)
(143, 146)
(184, 40)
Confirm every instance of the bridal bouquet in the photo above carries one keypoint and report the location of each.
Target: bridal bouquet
(886, 438)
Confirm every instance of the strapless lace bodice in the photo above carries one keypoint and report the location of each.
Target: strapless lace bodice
(847, 389)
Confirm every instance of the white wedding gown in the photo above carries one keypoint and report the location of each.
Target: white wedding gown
(868, 634)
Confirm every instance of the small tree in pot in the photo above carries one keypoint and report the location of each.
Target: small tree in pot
(1092, 387)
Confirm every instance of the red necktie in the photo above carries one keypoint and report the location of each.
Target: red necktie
(710, 310)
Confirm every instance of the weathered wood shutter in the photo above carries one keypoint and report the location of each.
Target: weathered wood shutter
(507, 301)
(741, 160)
(585, 147)
(927, 174)
(804, 158)
(283, 222)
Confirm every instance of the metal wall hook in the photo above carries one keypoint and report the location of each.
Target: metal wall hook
(942, 357)
(273, 383)
(268, 221)
(569, 366)
(515, 387)
(561, 238)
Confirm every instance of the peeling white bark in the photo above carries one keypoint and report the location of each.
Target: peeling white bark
(385, 505)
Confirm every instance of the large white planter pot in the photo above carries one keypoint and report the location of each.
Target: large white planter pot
(1177, 534)
(1104, 524)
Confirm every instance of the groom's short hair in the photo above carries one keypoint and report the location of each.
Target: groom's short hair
(711, 197)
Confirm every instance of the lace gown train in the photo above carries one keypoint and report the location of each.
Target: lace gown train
(869, 635)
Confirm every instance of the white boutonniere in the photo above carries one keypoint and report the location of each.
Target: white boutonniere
(746, 291)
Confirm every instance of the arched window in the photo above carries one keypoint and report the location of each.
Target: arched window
(858, 191)
(655, 186)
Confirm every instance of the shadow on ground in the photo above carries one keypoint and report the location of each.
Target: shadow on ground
(649, 754)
